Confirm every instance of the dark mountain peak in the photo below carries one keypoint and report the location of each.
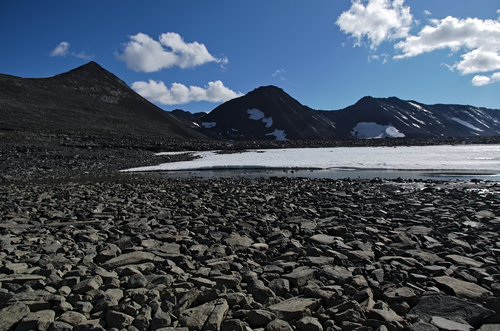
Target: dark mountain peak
(91, 72)
(86, 99)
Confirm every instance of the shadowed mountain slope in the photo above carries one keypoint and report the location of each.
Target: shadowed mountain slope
(88, 99)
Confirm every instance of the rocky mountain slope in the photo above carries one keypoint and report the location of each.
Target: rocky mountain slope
(269, 113)
(88, 100)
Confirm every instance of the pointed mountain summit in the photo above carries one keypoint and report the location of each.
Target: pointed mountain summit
(267, 113)
(88, 100)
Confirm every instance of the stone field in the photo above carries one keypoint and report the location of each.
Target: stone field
(134, 252)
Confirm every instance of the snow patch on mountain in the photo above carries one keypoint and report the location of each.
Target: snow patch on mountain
(257, 115)
(372, 130)
(466, 124)
(418, 106)
(279, 134)
(208, 125)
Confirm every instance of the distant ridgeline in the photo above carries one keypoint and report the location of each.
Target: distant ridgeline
(91, 100)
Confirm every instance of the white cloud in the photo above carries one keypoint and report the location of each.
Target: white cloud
(378, 21)
(427, 12)
(480, 39)
(480, 80)
(158, 92)
(279, 73)
(143, 53)
(62, 49)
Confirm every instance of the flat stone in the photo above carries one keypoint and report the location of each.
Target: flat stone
(400, 294)
(323, 239)
(299, 276)
(72, 317)
(235, 239)
(464, 261)
(451, 308)
(338, 274)
(294, 308)
(489, 327)
(196, 317)
(446, 324)
(39, 320)
(136, 257)
(12, 314)
(463, 289)
(386, 315)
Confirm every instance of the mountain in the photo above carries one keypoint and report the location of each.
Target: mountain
(89, 100)
(393, 117)
(269, 113)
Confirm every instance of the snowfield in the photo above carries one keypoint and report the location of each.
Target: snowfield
(463, 158)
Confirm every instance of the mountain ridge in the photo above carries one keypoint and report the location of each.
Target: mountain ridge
(88, 99)
(369, 117)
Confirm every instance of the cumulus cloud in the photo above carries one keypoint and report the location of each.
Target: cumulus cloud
(62, 49)
(481, 80)
(158, 92)
(377, 20)
(479, 38)
(144, 54)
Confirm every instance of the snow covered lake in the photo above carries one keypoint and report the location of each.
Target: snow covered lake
(447, 162)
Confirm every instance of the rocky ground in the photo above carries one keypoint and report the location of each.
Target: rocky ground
(83, 247)
(128, 252)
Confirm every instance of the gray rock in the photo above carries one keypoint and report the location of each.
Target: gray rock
(72, 317)
(60, 326)
(234, 325)
(137, 281)
(217, 316)
(87, 285)
(39, 320)
(446, 324)
(235, 240)
(12, 314)
(489, 327)
(323, 239)
(278, 325)
(259, 291)
(294, 308)
(451, 308)
(421, 326)
(280, 286)
(340, 275)
(195, 318)
(463, 289)
(160, 319)
(116, 319)
(136, 257)
(309, 323)
(259, 318)
(299, 276)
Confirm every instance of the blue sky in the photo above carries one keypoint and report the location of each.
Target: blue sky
(327, 54)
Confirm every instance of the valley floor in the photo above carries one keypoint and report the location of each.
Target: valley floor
(85, 247)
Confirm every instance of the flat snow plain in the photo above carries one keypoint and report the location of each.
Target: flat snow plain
(447, 158)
